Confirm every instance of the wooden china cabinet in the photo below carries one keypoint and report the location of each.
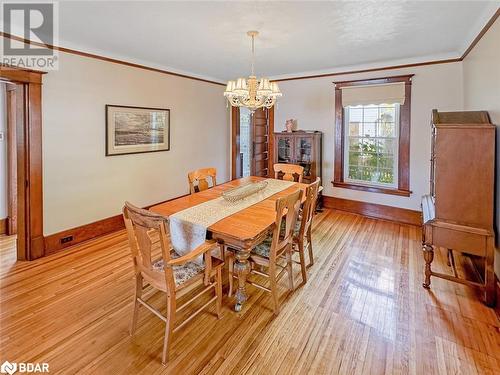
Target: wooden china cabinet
(301, 148)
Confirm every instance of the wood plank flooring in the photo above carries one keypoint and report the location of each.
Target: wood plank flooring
(362, 311)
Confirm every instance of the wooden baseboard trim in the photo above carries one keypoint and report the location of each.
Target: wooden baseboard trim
(54, 244)
(377, 211)
(3, 226)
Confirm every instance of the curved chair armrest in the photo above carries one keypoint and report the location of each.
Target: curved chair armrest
(203, 248)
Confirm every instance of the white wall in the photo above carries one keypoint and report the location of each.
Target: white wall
(482, 92)
(81, 185)
(3, 153)
(311, 102)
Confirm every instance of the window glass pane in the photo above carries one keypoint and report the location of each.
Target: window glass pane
(370, 129)
(355, 129)
(386, 146)
(368, 146)
(370, 113)
(356, 114)
(385, 162)
(386, 176)
(386, 122)
(386, 129)
(355, 144)
(388, 114)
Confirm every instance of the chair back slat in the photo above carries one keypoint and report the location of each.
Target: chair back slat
(287, 209)
(288, 172)
(309, 206)
(143, 228)
(199, 179)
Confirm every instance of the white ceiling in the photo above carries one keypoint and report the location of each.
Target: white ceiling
(208, 39)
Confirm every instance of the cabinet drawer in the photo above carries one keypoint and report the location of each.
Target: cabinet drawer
(469, 243)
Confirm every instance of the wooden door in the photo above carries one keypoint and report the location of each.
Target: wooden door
(260, 142)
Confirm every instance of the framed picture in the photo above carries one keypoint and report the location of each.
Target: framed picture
(132, 130)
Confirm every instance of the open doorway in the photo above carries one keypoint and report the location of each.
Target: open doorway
(252, 142)
(8, 162)
(8, 174)
(22, 92)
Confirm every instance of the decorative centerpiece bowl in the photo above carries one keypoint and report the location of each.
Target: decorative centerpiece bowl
(244, 191)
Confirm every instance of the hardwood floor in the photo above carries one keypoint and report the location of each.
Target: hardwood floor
(363, 311)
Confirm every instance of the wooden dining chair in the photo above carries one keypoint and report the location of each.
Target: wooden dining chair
(302, 237)
(170, 273)
(288, 172)
(198, 179)
(274, 249)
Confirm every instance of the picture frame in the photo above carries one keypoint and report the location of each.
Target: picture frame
(135, 130)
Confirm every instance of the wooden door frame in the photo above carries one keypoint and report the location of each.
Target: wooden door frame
(235, 141)
(11, 109)
(30, 241)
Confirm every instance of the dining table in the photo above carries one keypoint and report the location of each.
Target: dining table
(240, 231)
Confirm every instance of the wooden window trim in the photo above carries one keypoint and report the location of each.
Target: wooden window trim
(403, 188)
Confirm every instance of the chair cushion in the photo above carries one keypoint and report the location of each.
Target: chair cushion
(183, 272)
(264, 248)
(295, 230)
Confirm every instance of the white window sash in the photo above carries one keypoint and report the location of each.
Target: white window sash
(395, 156)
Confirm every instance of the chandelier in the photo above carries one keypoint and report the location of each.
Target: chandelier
(251, 92)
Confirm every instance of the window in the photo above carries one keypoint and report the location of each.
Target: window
(245, 136)
(372, 135)
(371, 144)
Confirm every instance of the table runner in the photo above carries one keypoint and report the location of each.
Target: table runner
(188, 228)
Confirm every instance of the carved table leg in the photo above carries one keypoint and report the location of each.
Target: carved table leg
(241, 268)
(429, 257)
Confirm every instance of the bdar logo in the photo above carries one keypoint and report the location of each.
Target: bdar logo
(8, 368)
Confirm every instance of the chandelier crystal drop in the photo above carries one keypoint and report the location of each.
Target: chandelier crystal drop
(251, 92)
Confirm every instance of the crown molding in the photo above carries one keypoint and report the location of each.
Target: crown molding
(306, 75)
(481, 33)
(366, 68)
(114, 60)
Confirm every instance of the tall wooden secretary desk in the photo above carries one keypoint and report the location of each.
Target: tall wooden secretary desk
(458, 213)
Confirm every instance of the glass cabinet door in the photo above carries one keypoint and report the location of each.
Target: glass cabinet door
(285, 150)
(304, 154)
